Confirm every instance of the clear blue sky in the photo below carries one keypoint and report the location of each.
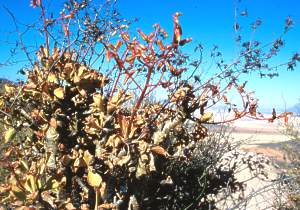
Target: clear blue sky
(207, 21)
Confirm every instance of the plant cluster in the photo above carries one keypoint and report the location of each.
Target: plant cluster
(292, 152)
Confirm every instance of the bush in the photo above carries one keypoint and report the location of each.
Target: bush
(292, 151)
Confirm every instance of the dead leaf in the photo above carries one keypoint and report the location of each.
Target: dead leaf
(1, 103)
(206, 117)
(59, 93)
(159, 150)
(108, 55)
(9, 89)
(88, 158)
(66, 160)
(69, 206)
(124, 160)
(98, 101)
(94, 179)
(53, 123)
(52, 78)
(141, 169)
(107, 206)
(79, 163)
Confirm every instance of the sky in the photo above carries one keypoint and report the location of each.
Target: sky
(209, 22)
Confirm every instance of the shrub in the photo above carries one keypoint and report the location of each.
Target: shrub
(292, 151)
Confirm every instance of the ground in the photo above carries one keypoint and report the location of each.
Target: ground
(267, 141)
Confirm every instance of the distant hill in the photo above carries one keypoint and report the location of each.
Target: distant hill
(295, 108)
(5, 81)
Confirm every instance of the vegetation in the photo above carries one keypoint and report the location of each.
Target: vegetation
(293, 156)
(81, 138)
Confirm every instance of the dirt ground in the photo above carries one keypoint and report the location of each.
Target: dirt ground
(266, 139)
(261, 137)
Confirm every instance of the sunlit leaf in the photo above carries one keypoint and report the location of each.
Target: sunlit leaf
(4, 188)
(141, 169)
(70, 206)
(52, 78)
(30, 184)
(206, 117)
(88, 158)
(1, 103)
(8, 153)
(124, 160)
(59, 93)
(9, 134)
(98, 101)
(24, 165)
(9, 89)
(94, 179)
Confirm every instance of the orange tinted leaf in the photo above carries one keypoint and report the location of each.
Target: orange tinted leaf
(107, 206)
(118, 45)
(252, 109)
(125, 36)
(71, 16)
(151, 35)
(142, 47)
(159, 150)
(160, 44)
(286, 119)
(8, 152)
(130, 59)
(225, 99)
(66, 30)
(69, 206)
(144, 36)
(108, 55)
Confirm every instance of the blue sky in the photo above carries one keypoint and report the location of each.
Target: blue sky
(207, 21)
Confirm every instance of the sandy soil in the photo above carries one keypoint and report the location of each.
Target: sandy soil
(258, 132)
(267, 139)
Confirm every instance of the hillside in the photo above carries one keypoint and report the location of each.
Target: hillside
(295, 108)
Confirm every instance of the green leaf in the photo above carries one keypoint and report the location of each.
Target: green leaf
(18, 193)
(9, 135)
